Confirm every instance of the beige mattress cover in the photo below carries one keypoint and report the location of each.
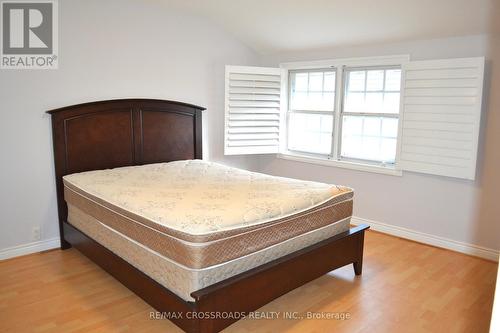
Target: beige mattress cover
(200, 213)
(183, 280)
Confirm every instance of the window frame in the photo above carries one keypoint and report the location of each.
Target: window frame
(345, 71)
(289, 110)
(334, 158)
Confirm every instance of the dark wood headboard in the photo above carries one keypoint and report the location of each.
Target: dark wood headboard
(117, 133)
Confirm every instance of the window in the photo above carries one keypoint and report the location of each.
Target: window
(370, 114)
(351, 113)
(368, 128)
(311, 111)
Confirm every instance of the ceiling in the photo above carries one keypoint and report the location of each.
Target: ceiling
(273, 26)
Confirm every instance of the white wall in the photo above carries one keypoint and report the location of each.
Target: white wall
(118, 49)
(108, 49)
(439, 206)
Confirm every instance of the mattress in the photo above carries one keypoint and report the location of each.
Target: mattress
(182, 280)
(200, 214)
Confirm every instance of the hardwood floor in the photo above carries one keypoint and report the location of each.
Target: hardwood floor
(405, 287)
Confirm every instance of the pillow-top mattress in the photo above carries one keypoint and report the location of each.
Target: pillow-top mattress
(201, 214)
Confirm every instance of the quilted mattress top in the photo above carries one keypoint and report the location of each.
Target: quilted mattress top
(198, 197)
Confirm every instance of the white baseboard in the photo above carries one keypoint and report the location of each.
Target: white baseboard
(429, 239)
(29, 248)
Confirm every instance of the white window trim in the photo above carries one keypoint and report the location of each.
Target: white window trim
(387, 170)
(339, 64)
(288, 111)
(344, 113)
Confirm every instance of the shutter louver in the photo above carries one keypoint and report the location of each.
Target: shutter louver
(441, 116)
(252, 110)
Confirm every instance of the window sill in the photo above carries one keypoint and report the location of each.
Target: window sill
(342, 164)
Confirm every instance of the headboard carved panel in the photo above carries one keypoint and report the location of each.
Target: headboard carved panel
(98, 140)
(116, 133)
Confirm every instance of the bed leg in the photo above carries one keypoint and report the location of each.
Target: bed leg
(358, 267)
(358, 264)
(65, 245)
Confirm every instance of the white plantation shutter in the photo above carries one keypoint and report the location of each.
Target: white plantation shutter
(252, 110)
(441, 116)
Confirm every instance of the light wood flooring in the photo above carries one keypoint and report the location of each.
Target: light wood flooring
(405, 287)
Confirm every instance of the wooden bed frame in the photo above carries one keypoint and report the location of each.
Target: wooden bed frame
(116, 133)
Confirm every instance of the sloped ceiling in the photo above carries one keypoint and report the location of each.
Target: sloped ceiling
(272, 26)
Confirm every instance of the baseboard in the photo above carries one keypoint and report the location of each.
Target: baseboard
(29, 248)
(445, 243)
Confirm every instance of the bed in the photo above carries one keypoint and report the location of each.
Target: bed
(187, 235)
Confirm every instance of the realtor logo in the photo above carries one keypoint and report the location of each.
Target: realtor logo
(29, 35)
